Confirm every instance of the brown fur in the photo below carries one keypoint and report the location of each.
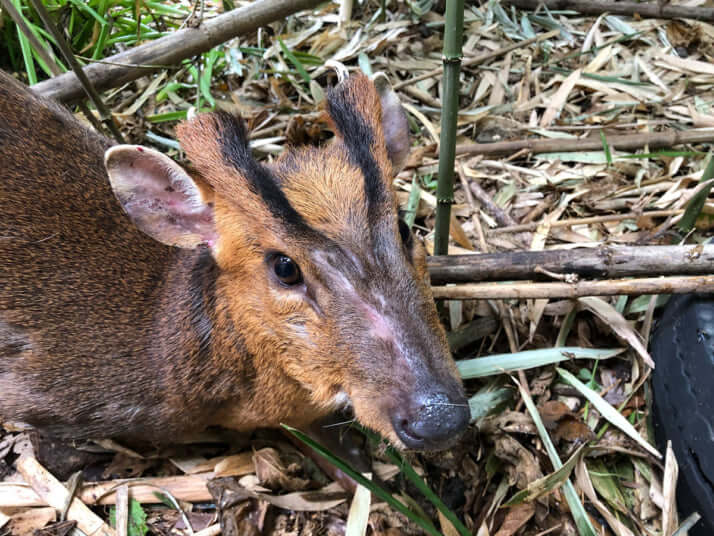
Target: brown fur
(106, 332)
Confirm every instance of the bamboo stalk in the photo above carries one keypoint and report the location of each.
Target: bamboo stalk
(610, 287)
(453, 36)
(170, 50)
(600, 262)
(652, 10)
(624, 142)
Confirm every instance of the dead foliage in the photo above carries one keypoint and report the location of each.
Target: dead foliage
(598, 76)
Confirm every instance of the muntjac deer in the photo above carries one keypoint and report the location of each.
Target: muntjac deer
(142, 300)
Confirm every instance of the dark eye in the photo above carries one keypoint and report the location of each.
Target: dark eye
(405, 233)
(286, 270)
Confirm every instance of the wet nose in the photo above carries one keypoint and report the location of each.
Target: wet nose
(431, 421)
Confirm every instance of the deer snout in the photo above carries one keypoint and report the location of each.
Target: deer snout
(431, 421)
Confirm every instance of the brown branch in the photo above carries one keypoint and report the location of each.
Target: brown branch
(608, 287)
(170, 50)
(624, 142)
(650, 10)
(489, 205)
(601, 262)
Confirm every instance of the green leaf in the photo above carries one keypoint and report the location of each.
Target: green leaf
(607, 411)
(412, 203)
(487, 400)
(207, 74)
(26, 51)
(548, 483)
(696, 203)
(503, 363)
(582, 521)
(136, 525)
(291, 57)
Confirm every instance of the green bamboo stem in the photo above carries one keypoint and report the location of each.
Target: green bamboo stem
(453, 36)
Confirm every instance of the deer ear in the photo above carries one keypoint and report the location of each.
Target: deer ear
(160, 197)
(394, 123)
(368, 115)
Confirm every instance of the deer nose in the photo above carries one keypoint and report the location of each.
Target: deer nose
(431, 421)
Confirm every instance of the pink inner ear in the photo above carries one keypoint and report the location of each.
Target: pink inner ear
(394, 124)
(161, 199)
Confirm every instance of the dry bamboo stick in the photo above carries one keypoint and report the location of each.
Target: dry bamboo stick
(191, 488)
(170, 50)
(651, 10)
(53, 493)
(477, 60)
(532, 226)
(595, 263)
(609, 287)
(122, 510)
(625, 142)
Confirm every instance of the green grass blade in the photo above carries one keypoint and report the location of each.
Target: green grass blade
(607, 411)
(291, 57)
(503, 363)
(696, 203)
(406, 468)
(425, 524)
(86, 8)
(412, 203)
(26, 50)
(168, 116)
(665, 154)
(582, 521)
(606, 148)
(548, 483)
(207, 75)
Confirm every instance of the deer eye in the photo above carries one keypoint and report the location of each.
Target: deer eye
(286, 270)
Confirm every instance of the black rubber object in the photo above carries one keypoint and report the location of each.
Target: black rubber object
(683, 382)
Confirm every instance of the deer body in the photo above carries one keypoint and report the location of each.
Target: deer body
(139, 301)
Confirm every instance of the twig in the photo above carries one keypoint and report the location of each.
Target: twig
(587, 221)
(54, 493)
(477, 60)
(600, 262)
(489, 205)
(122, 510)
(172, 49)
(624, 142)
(608, 287)
(44, 54)
(651, 10)
(77, 69)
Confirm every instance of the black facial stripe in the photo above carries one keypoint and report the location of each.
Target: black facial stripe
(234, 146)
(359, 139)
